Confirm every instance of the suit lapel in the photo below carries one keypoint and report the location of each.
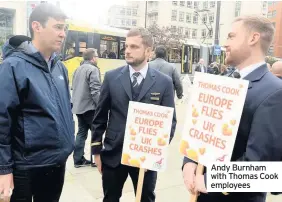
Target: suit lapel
(125, 81)
(148, 83)
(256, 75)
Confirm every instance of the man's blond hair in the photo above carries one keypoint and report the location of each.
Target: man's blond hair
(261, 25)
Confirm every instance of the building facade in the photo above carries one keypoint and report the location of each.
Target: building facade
(275, 15)
(232, 9)
(127, 16)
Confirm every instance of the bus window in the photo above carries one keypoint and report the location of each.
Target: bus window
(70, 46)
(122, 50)
(82, 42)
(109, 47)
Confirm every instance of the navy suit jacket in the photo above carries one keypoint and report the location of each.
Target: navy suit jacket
(111, 112)
(259, 135)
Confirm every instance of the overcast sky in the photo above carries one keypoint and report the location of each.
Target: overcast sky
(92, 11)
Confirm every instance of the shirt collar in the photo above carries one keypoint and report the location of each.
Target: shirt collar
(143, 71)
(34, 50)
(247, 70)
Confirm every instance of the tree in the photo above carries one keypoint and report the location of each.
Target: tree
(170, 38)
(270, 60)
(166, 36)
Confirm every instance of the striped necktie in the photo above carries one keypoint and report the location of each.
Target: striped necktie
(135, 82)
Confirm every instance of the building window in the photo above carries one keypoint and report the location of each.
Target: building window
(205, 4)
(188, 17)
(237, 8)
(134, 22)
(211, 18)
(264, 5)
(196, 4)
(195, 19)
(182, 3)
(173, 28)
(134, 12)
(194, 33)
(269, 14)
(210, 33)
(212, 4)
(188, 33)
(128, 11)
(273, 14)
(122, 11)
(189, 4)
(204, 33)
(174, 15)
(181, 16)
(128, 22)
(205, 19)
(174, 3)
(180, 30)
(122, 22)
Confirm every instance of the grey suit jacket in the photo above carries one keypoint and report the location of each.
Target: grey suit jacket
(111, 113)
(86, 86)
(168, 69)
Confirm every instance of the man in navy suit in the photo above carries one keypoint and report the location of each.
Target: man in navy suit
(260, 131)
(133, 82)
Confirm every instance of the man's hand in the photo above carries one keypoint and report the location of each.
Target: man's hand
(200, 184)
(6, 183)
(189, 176)
(98, 162)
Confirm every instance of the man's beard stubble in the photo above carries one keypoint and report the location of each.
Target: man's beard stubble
(137, 61)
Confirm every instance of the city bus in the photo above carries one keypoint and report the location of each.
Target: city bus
(108, 41)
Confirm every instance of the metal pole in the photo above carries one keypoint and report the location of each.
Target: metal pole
(146, 14)
(216, 38)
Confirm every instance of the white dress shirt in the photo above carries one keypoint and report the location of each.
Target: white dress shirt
(143, 73)
(247, 70)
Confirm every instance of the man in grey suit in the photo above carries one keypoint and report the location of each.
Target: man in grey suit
(259, 135)
(86, 91)
(163, 66)
(137, 82)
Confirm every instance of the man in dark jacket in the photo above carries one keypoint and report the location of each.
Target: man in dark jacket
(86, 91)
(36, 123)
(163, 66)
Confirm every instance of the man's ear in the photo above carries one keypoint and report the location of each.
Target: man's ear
(36, 26)
(254, 38)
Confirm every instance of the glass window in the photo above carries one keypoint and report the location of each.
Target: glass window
(70, 45)
(108, 47)
(205, 4)
(181, 16)
(174, 3)
(188, 17)
(82, 42)
(134, 12)
(174, 15)
(182, 3)
(180, 30)
(205, 18)
(194, 33)
(195, 19)
(196, 4)
(122, 50)
(128, 11)
(134, 22)
(189, 4)
(187, 32)
(122, 11)
(212, 4)
(211, 18)
(204, 33)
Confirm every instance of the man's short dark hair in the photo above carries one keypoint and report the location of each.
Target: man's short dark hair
(143, 33)
(43, 12)
(160, 52)
(89, 54)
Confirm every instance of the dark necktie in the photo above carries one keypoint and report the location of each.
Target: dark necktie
(135, 82)
(236, 75)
